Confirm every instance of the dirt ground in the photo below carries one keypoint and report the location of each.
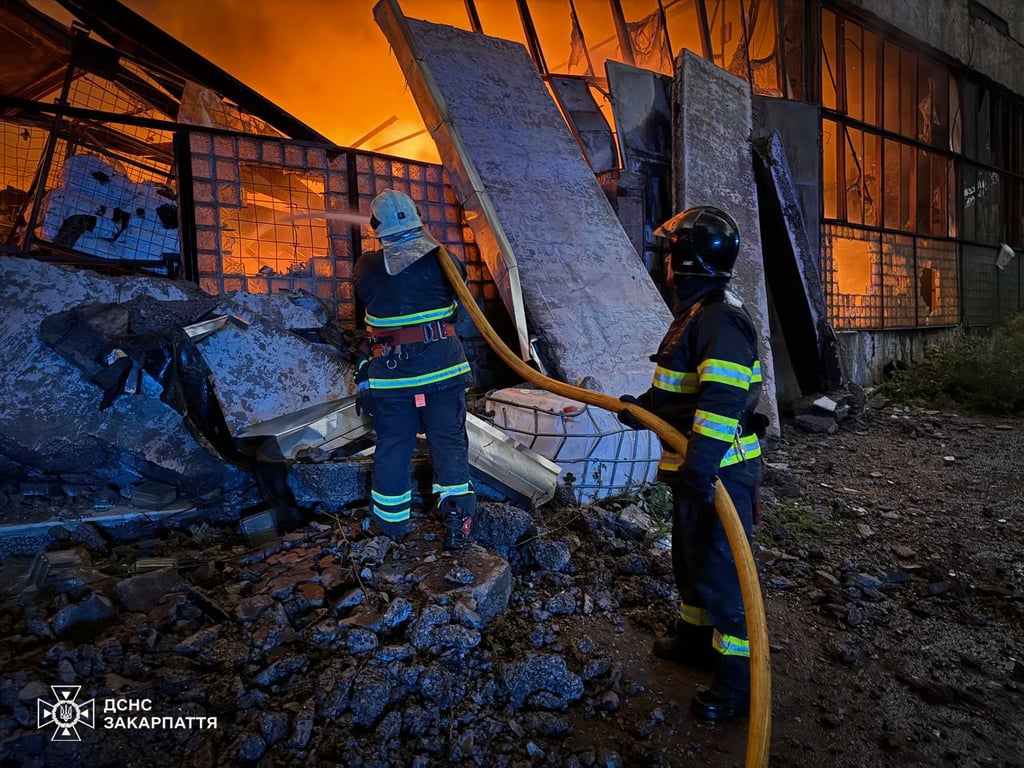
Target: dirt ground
(894, 591)
(893, 573)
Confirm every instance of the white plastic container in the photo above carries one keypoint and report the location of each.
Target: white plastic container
(602, 456)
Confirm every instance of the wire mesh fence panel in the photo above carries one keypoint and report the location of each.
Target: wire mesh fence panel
(851, 271)
(938, 295)
(1010, 288)
(981, 286)
(22, 149)
(275, 215)
(900, 289)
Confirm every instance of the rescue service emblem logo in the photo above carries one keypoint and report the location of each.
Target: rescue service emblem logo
(66, 714)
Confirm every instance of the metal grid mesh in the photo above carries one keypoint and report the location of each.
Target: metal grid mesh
(938, 295)
(851, 272)
(898, 284)
(22, 148)
(276, 215)
(109, 205)
(981, 285)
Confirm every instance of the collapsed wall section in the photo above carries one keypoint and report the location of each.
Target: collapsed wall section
(544, 225)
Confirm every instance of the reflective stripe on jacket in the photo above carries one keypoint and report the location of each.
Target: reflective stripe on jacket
(707, 383)
(418, 294)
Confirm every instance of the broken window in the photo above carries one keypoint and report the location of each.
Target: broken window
(853, 55)
(830, 167)
(938, 293)
(728, 36)
(870, 78)
(763, 49)
(850, 262)
(829, 59)
(899, 185)
(861, 167)
(684, 28)
(898, 286)
(933, 173)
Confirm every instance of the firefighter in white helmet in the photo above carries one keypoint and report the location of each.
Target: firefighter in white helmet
(416, 379)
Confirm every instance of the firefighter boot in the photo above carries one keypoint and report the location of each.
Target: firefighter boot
(729, 695)
(688, 644)
(458, 512)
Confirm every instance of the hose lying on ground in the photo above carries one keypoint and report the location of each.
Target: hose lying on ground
(760, 723)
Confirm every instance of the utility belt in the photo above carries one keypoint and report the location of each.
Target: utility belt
(388, 342)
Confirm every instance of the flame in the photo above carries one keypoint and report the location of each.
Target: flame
(330, 65)
(327, 63)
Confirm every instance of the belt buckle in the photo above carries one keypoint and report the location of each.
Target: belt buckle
(432, 332)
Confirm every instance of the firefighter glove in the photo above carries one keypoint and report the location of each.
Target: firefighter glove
(628, 418)
(364, 395)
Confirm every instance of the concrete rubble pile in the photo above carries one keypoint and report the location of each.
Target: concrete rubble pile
(329, 644)
(110, 383)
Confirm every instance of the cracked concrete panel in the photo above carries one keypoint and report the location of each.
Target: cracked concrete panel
(544, 225)
(262, 372)
(713, 165)
(49, 411)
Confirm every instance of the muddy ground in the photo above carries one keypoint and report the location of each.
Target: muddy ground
(892, 558)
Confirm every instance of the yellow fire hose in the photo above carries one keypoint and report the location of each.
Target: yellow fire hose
(760, 723)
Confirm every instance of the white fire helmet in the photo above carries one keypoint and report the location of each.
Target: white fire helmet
(396, 222)
(392, 213)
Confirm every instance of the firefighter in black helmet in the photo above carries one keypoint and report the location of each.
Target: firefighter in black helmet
(706, 384)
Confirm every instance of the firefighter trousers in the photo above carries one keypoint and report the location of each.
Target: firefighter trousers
(398, 417)
(702, 562)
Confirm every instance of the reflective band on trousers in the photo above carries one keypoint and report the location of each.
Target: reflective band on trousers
(391, 509)
(450, 490)
(392, 516)
(724, 372)
(728, 645)
(420, 381)
(412, 319)
(691, 614)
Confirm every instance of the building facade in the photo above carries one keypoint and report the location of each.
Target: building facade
(903, 122)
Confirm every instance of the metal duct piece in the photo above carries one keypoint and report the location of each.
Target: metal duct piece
(514, 468)
(326, 426)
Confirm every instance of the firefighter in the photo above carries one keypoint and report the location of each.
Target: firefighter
(706, 384)
(415, 379)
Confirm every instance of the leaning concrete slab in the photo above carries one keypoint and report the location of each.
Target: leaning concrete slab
(713, 165)
(792, 272)
(543, 223)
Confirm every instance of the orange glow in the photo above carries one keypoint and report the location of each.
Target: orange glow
(329, 64)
